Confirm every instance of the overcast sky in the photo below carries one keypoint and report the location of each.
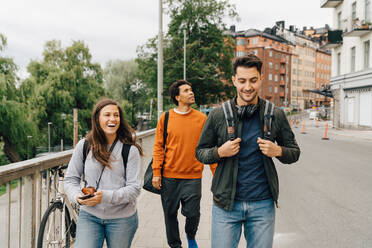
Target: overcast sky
(114, 29)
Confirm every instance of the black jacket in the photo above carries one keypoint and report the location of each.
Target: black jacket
(214, 135)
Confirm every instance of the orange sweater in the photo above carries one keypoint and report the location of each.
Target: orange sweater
(183, 136)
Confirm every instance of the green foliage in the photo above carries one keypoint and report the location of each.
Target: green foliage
(16, 122)
(66, 78)
(122, 83)
(209, 52)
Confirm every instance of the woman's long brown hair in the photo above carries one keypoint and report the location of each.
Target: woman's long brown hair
(97, 141)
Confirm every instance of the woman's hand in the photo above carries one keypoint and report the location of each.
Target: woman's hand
(96, 199)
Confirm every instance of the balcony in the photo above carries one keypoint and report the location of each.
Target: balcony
(282, 83)
(282, 71)
(359, 29)
(283, 60)
(334, 39)
(330, 3)
(281, 94)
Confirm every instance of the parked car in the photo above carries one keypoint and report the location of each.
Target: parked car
(313, 115)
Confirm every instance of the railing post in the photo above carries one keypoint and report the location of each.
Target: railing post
(9, 202)
(20, 200)
(29, 212)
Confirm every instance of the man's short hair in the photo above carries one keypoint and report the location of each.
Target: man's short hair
(248, 61)
(174, 89)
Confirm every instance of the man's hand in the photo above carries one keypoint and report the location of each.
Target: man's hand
(96, 199)
(269, 148)
(229, 148)
(156, 182)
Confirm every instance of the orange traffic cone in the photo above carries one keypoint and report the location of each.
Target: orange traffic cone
(290, 123)
(296, 124)
(303, 127)
(325, 134)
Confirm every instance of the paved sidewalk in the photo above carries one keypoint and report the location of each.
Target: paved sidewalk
(151, 230)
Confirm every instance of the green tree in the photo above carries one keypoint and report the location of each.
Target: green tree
(123, 84)
(16, 120)
(66, 78)
(209, 51)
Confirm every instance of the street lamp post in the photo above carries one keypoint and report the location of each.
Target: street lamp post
(49, 123)
(134, 88)
(63, 117)
(160, 60)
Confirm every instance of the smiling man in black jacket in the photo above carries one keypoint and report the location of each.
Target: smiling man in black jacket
(245, 185)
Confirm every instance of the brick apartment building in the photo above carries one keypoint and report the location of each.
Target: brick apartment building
(322, 75)
(293, 63)
(275, 54)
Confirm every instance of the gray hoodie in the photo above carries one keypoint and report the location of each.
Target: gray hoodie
(119, 195)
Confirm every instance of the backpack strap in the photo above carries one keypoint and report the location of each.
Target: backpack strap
(227, 110)
(165, 129)
(85, 150)
(125, 154)
(268, 117)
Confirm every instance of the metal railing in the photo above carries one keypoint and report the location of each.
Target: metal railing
(24, 210)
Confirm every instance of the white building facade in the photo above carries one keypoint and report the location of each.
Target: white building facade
(351, 80)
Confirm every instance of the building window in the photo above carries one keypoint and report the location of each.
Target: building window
(276, 67)
(276, 78)
(240, 42)
(271, 65)
(255, 52)
(352, 62)
(366, 54)
(294, 93)
(271, 53)
(294, 71)
(239, 54)
(294, 82)
(338, 64)
(299, 82)
(270, 77)
(367, 10)
(287, 79)
(353, 11)
(270, 89)
(339, 20)
(281, 77)
(255, 41)
(277, 55)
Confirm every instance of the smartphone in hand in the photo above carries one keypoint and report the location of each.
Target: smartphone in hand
(84, 197)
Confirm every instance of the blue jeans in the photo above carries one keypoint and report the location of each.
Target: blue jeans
(258, 218)
(91, 231)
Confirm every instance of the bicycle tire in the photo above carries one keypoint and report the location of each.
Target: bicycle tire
(45, 239)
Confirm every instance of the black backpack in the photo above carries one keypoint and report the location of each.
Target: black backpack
(268, 116)
(124, 154)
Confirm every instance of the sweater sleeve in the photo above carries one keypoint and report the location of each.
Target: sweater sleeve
(158, 152)
(132, 188)
(74, 173)
(206, 151)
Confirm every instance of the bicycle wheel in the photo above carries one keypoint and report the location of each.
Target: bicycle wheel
(53, 231)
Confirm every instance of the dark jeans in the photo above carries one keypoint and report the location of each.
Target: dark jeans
(188, 193)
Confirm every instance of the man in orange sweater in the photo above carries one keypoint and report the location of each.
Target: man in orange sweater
(179, 176)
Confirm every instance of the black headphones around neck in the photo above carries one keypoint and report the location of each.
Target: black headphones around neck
(246, 112)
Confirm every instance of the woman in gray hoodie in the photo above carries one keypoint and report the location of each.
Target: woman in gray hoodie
(110, 213)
